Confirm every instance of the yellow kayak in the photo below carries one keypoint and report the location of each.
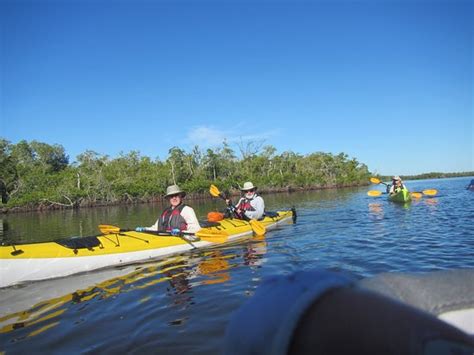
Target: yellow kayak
(38, 261)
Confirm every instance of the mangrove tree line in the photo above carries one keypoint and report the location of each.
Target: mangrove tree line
(35, 174)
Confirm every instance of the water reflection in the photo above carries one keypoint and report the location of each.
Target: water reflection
(215, 269)
(254, 251)
(182, 274)
(432, 202)
(376, 211)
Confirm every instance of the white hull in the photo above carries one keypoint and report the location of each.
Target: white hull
(15, 271)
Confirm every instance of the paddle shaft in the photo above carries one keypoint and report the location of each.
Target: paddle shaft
(233, 208)
(164, 233)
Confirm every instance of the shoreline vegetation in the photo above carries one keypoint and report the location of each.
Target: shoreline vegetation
(36, 176)
(432, 175)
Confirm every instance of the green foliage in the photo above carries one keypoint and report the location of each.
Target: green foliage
(436, 175)
(432, 175)
(37, 174)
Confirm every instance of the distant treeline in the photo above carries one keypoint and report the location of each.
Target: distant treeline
(433, 175)
(37, 175)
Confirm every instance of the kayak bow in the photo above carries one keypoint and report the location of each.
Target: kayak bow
(403, 195)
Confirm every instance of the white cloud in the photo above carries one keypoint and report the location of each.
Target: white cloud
(205, 136)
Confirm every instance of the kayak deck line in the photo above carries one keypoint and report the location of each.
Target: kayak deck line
(45, 260)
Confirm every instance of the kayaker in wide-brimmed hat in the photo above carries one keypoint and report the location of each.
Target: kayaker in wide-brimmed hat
(178, 217)
(174, 190)
(250, 205)
(397, 185)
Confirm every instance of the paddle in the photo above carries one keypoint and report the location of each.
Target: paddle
(374, 193)
(207, 235)
(429, 192)
(374, 180)
(257, 227)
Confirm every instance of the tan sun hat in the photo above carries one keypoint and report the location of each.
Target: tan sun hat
(396, 178)
(174, 190)
(248, 186)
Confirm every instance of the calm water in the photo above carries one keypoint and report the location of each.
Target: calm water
(183, 304)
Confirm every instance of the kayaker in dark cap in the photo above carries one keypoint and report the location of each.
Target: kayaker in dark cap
(178, 217)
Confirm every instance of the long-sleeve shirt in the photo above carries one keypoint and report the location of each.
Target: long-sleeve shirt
(257, 204)
(189, 216)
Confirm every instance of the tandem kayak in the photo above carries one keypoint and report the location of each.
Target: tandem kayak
(46, 260)
(402, 195)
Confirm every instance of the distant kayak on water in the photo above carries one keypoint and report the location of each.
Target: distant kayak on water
(402, 195)
(399, 193)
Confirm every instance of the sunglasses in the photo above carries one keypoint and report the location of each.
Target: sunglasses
(173, 196)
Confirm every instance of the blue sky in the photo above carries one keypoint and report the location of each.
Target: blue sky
(387, 82)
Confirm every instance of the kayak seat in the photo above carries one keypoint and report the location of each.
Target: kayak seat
(206, 224)
(79, 242)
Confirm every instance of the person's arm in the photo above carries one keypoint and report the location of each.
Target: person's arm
(237, 211)
(153, 227)
(238, 203)
(191, 220)
(259, 205)
(353, 320)
(320, 312)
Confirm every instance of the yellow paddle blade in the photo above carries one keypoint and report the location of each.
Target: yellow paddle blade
(416, 194)
(108, 229)
(257, 227)
(374, 180)
(214, 191)
(430, 192)
(374, 193)
(214, 236)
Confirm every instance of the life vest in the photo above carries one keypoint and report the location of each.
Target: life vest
(171, 219)
(245, 204)
(396, 188)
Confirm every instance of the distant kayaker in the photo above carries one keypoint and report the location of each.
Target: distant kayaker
(251, 204)
(397, 185)
(471, 185)
(178, 217)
